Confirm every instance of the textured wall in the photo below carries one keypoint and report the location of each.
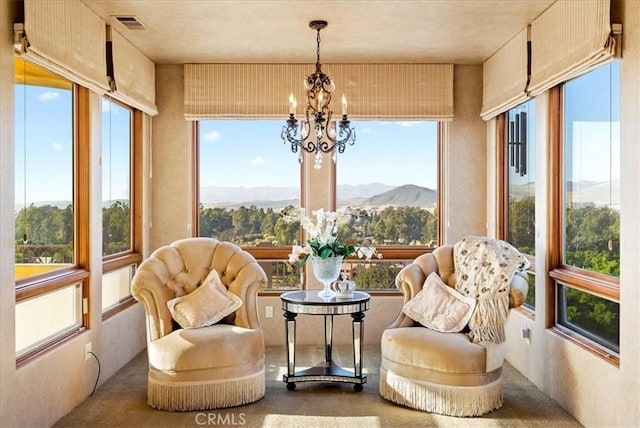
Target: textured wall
(171, 161)
(465, 174)
(7, 293)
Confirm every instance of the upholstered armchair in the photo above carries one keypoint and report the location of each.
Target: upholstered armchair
(457, 372)
(204, 340)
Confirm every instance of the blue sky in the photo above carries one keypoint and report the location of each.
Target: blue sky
(47, 135)
(251, 153)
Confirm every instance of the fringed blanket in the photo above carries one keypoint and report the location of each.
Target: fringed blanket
(484, 268)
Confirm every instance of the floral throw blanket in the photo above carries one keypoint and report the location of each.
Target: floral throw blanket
(484, 268)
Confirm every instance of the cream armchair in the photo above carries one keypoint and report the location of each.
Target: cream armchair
(433, 371)
(220, 365)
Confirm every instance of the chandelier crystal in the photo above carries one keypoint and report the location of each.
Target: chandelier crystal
(317, 132)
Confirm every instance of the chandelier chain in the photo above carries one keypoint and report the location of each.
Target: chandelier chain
(318, 51)
(317, 133)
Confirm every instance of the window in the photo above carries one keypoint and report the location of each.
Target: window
(44, 137)
(520, 176)
(589, 264)
(120, 203)
(116, 178)
(391, 173)
(244, 183)
(51, 141)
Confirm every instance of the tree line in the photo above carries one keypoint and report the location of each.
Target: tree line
(44, 234)
(260, 226)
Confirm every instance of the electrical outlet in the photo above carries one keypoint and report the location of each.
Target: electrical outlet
(87, 351)
(268, 311)
(526, 334)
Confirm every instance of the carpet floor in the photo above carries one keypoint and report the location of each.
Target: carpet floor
(121, 402)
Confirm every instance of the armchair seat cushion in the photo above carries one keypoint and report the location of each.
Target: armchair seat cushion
(216, 346)
(423, 354)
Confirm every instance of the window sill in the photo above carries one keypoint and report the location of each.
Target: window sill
(582, 342)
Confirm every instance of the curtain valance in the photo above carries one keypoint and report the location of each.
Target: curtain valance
(504, 77)
(67, 38)
(392, 91)
(568, 39)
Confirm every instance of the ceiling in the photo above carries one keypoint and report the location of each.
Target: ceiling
(359, 31)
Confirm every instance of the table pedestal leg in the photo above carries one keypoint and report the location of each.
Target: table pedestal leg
(328, 338)
(358, 334)
(290, 332)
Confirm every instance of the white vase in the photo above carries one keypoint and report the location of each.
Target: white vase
(326, 271)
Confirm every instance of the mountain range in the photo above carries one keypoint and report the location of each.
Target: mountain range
(356, 196)
(374, 195)
(598, 193)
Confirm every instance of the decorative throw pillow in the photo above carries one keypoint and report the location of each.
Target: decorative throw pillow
(206, 305)
(440, 307)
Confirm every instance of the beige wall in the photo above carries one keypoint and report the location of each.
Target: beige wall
(171, 159)
(464, 156)
(7, 294)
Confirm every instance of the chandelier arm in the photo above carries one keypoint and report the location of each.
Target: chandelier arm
(320, 137)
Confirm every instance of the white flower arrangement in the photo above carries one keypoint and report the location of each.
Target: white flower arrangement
(323, 236)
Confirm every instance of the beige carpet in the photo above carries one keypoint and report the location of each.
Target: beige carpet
(121, 402)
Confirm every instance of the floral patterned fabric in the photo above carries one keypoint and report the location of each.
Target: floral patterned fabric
(484, 268)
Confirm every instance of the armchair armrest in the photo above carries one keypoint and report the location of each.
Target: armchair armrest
(518, 289)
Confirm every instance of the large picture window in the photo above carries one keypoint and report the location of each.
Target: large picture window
(390, 175)
(44, 155)
(243, 186)
(51, 223)
(587, 279)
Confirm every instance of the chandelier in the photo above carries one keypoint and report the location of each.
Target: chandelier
(327, 136)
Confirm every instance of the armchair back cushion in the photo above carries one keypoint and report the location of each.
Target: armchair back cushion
(206, 305)
(178, 269)
(440, 307)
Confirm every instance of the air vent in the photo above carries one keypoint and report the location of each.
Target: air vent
(131, 22)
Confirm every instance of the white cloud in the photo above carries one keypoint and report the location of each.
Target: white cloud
(258, 160)
(48, 96)
(211, 136)
(56, 146)
(407, 124)
(365, 130)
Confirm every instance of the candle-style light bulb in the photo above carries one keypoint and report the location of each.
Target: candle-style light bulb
(344, 105)
(319, 100)
(292, 104)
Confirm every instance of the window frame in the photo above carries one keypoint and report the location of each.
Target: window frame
(133, 256)
(404, 253)
(594, 283)
(36, 285)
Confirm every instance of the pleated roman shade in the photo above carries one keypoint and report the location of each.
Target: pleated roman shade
(134, 74)
(504, 77)
(67, 38)
(568, 39)
(376, 91)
